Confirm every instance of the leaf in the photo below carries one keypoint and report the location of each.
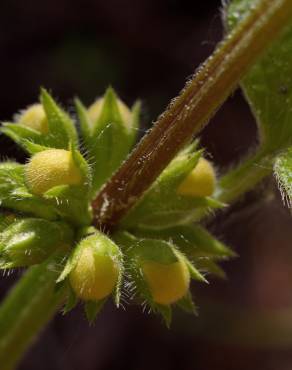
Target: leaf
(32, 240)
(195, 274)
(84, 121)
(186, 304)
(209, 266)
(162, 206)
(71, 301)
(165, 312)
(118, 287)
(158, 251)
(20, 134)
(70, 263)
(110, 137)
(70, 202)
(20, 200)
(33, 148)
(283, 174)
(110, 143)
(93, 308)
(61, 128)
(268, 84)
(83, 166)
(193, 240)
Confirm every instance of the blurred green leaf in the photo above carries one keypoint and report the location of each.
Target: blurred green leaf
(268, 84)
(283, 173)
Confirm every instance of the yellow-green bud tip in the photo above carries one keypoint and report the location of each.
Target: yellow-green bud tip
(35, 117)
(50, 168)
(94, 276)
(167, 283)
(200, 182)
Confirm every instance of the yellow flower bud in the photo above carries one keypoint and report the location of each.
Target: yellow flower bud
(200, 182)
(94, 276)
(167, 282)
(35, 117)
(51, 168)
(94, 111)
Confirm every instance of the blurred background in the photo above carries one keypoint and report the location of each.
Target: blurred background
(147, 49)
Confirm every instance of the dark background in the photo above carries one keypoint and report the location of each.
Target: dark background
(147, 49)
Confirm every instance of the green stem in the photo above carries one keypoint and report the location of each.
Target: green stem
(244, 177)
(26, 310)
(187, 115)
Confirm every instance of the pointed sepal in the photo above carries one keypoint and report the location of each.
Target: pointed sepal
(92, 309)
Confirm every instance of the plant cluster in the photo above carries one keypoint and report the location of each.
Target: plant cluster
(154, 251)
(73, 211)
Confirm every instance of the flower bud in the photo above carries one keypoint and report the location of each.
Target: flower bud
(97, 269)
(35, 117)
(95, 110)
(50, 168)
(167, 282)
(200, 182)
(32, 240)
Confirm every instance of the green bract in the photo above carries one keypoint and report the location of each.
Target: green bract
(109, 131)
(162, 205)
(46, 210)
(31, 240)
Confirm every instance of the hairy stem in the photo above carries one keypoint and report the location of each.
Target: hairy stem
(244, 177)
(26, 310)
(187, 114)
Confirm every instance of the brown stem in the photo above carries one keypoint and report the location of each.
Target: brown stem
(187, 114)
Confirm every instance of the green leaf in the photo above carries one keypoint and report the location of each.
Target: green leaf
(193, 240)
(268, 84)
(71, 301)
(83, 166)
(84, 121)
(209, 266)
(154, 250)
(62, 130)
(92, 308)
(111, 138)
(70, 202)
(20, 200)
(162, 206)
(118, 287)
(31, 240)
(186, 304)
(283, 174)
(165, 312)
(124, 239)
(33, 148)
(20, 134)
(178, 169)
(70, 263)
(194, 272)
